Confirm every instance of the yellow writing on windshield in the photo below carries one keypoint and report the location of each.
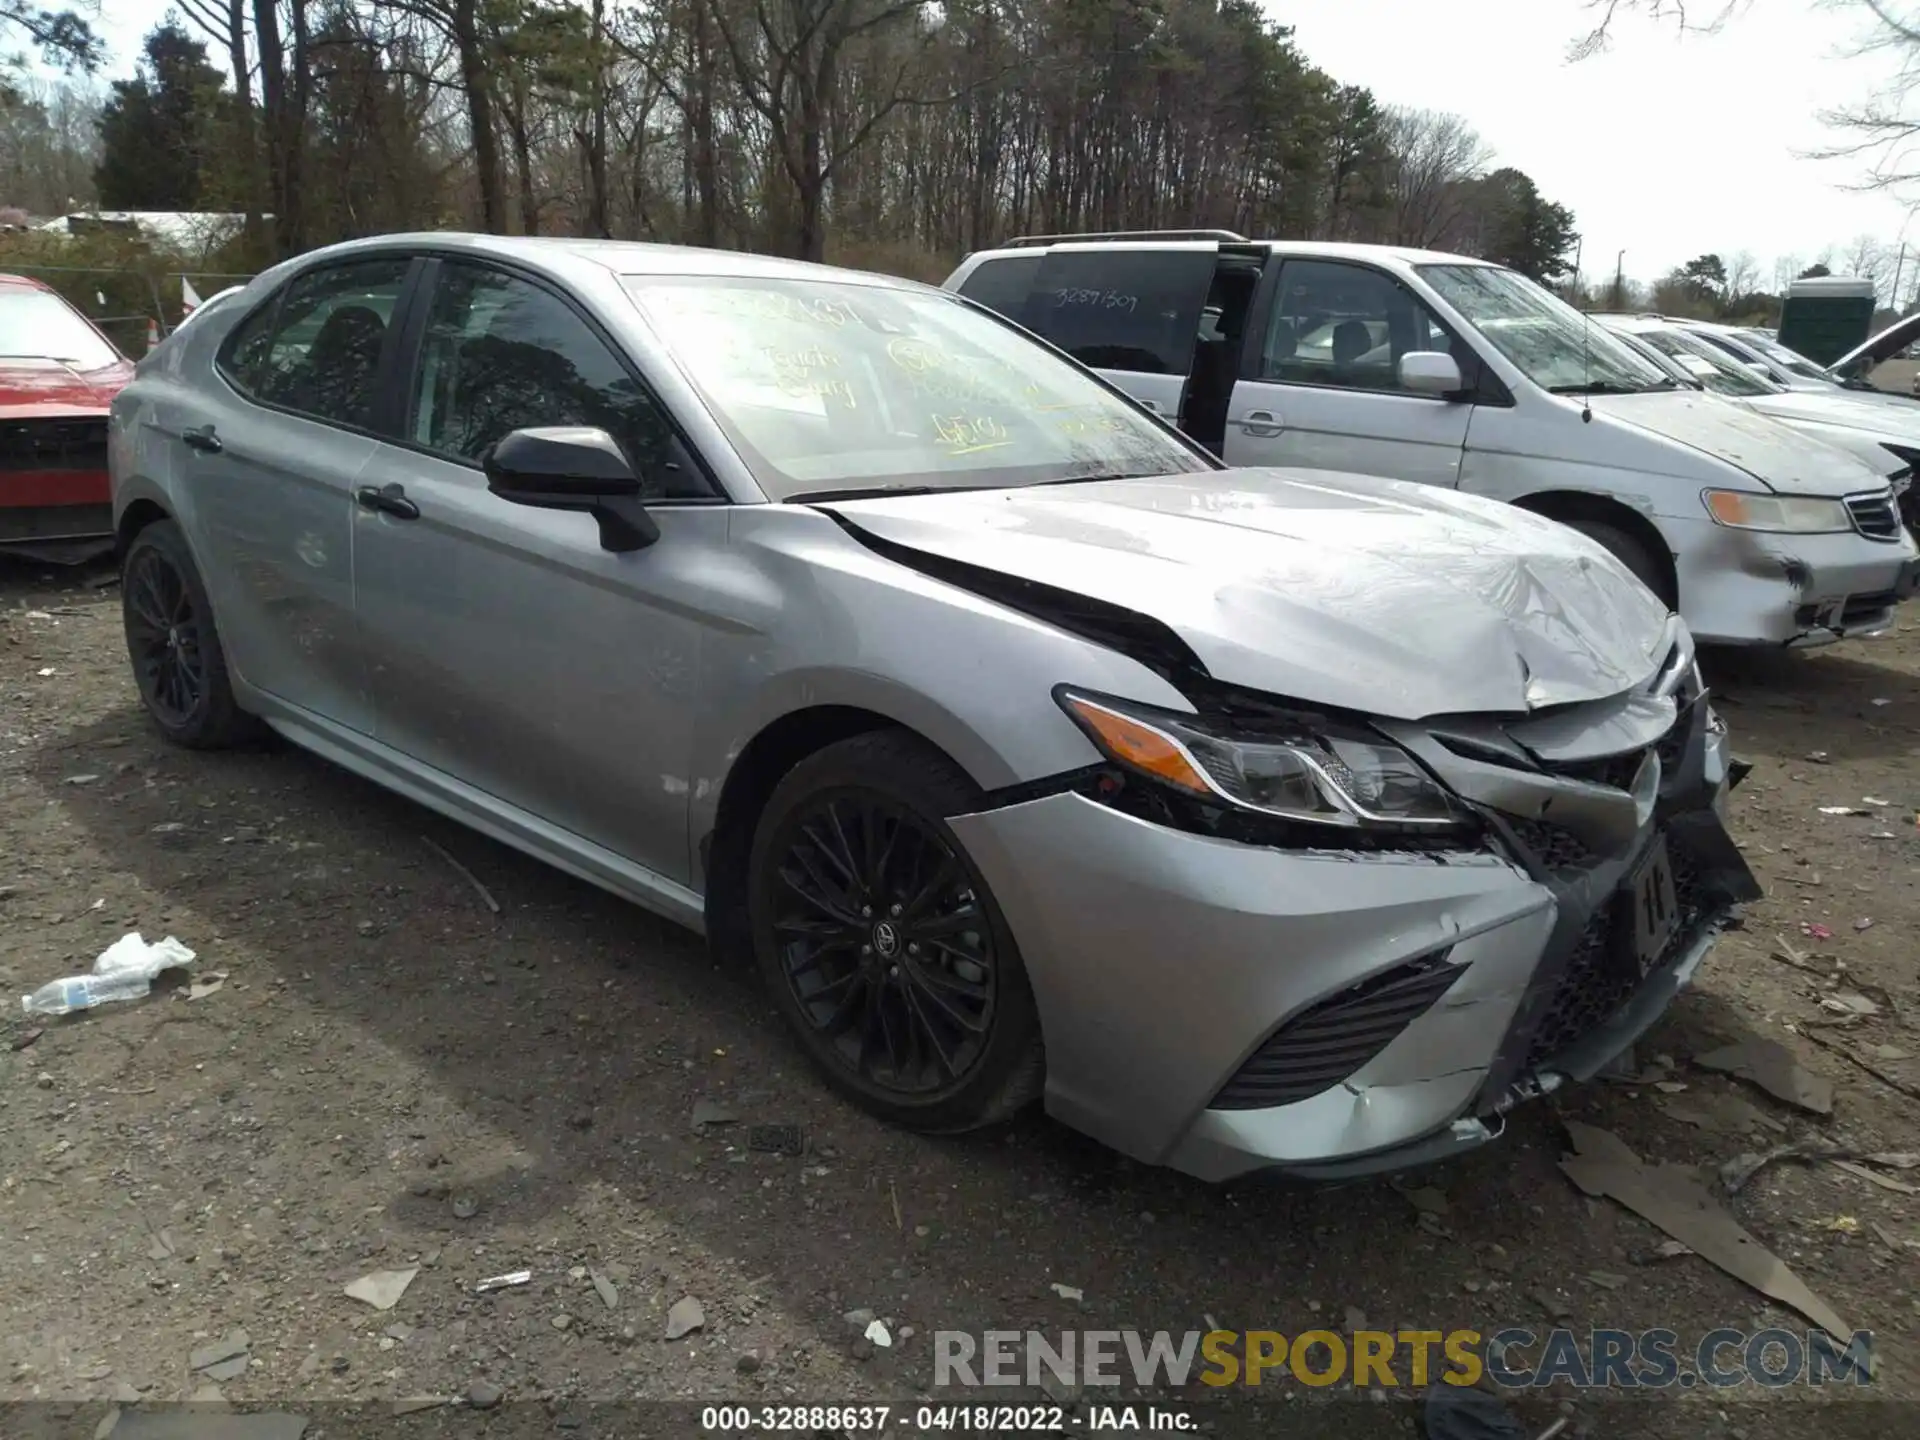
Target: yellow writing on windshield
(809, 371)
(969, 434)
(748, 303)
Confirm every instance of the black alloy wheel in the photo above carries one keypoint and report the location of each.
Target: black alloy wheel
(163, 638)
(881, 943)
(174, 645)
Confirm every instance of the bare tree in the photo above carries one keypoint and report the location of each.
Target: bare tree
(1432, 156)
(1743, 274)
(1696, 16)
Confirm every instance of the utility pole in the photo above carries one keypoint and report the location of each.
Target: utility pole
(1620, 281)
(1898, 266)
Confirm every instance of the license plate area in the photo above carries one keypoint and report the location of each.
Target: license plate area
(1650, 907)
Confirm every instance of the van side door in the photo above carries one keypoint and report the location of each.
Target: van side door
(1130, 312)
(1324, 387)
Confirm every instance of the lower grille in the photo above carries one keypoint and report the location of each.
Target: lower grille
(1556, 849)
(1599, 980)
(76, 444)
(1874, 516)
(1327, 1042)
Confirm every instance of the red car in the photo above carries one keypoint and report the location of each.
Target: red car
(58, 374)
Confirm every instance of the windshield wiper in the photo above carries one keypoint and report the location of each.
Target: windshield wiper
(1608, 387)
(880, 492)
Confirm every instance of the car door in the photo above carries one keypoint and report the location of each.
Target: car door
(269, 454)
(506, 649)
(1323, 388)
(1132, 313)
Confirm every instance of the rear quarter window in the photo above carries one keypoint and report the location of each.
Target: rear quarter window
(1133, 310)
(1003, 285)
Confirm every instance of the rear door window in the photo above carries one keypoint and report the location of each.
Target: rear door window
(1004, 284)
(318, 350)
(1136, 310)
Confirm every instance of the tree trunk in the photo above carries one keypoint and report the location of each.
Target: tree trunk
(244, 122)
(706, 181)
(486, 147)
(273, 105)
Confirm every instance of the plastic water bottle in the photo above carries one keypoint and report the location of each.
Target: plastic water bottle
(83, 992)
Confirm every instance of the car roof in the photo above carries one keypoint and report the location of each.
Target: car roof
(23, 282)
(621, 257)
(1330, 249)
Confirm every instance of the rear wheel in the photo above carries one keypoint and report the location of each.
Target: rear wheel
(881, 943)
(1631, 552)
(178, 662)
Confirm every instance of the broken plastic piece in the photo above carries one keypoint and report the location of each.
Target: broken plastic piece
(503, 1282)
(778, 1139)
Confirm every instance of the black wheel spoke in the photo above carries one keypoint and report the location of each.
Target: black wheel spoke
(927, 1029)
(882, 942)
(946, 873)
(834, 908)
(163, 637)
(940, 927)
(932, 995)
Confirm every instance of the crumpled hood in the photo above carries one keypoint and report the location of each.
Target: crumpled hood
(34, 388)
(1770, 450)
(1384, 596)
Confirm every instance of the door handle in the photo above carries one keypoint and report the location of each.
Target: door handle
(387, 499)
(201, 437)
(1261, 422)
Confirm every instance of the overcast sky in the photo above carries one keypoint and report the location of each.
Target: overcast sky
(1667, 146)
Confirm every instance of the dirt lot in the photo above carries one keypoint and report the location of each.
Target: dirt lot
(390, 1077)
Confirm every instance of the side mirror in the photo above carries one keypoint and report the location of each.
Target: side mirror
(573, 467)
(1430, 372)
(1765, 372)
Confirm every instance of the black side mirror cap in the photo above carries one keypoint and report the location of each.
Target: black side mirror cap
(573, 467)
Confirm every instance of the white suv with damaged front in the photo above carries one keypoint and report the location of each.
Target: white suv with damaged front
(1254, 818)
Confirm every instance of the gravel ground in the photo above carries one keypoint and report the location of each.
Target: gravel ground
(391, 1076)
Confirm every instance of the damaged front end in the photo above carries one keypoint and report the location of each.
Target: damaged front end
(1632, 845)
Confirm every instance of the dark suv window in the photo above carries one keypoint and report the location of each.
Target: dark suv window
(502, 354)
(1135, 310)
(317, 350)
(1004, 284)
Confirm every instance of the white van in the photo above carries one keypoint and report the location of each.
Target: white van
(1455, 372)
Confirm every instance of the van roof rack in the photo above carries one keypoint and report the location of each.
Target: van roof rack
(1020, 241)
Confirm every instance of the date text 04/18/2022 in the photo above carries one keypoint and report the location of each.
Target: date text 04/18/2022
(936, 1419)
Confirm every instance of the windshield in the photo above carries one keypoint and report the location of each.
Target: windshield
(1551, 343)
(1714, 369)
(831, 386)
(39, 325)
(1780, 355)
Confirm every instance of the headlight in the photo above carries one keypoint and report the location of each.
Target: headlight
(1793, 514)
(1323, 775)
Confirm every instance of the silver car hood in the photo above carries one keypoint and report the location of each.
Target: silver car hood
(1771, 451)
(1384, 596)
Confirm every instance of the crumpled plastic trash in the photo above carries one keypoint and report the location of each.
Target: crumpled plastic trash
(125, 970)
(1454, 1412)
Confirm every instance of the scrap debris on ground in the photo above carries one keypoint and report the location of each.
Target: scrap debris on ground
(605, 1172)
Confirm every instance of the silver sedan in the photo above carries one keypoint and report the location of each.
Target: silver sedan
(1255, 819)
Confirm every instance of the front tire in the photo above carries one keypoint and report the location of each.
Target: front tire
(881, 944)
(1632, 553)
(178, 661)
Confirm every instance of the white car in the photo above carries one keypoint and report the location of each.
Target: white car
(1453, 372)
(1885, 437)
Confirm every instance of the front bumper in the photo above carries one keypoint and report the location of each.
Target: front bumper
(1167, 965)
(1748, 587)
